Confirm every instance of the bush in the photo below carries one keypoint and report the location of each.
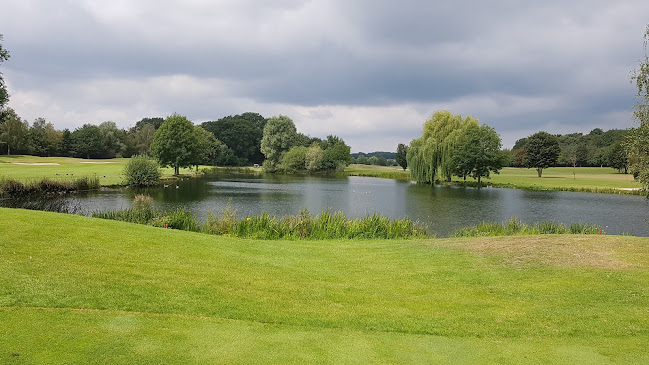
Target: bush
(142, 171)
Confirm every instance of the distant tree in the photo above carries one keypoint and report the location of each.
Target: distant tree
(142, 139)
(294, 159)
(279, 136)
(581, 155)
(518, 157)
(4, 95)
(314, 157)
(87, 141)
(241, 133)
(478, 153)
(174, 143)
(637, 141)
(13, 131)
(362, 159)
(432, 152)
(208, 149)
(336, 153)
(401, 156)
(66, 143)
(154, 122)
(542, 151)
(113, 140)
(373, 160)
(618, 158)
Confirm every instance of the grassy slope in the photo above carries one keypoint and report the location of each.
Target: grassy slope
(109, 170)
(594, 178)
(77, 290)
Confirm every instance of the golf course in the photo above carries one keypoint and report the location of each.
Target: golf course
(75, 289)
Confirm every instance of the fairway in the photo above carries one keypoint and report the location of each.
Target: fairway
(76, 290)
(30, 168)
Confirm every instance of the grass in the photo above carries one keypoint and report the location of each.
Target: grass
(109, 171)
(587, 179)
(514, 227)
(327, 225)
(82, 290)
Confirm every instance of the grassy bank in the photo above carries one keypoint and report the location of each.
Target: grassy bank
(27, 169)
(587, 179)
(80, 290)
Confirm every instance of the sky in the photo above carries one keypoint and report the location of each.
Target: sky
(369, 71)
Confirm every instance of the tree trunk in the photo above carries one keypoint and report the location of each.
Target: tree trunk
(8, 149)
(539, 170)
(479, 180)
(176, 170)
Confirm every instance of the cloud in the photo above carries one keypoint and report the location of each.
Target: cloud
(368, 71)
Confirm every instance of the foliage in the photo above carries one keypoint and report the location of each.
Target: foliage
(10, 188)
(141, 170)
(87, 141)
(542, 151)
(242, 134)
(144, 122)
(174, 143)
(434, 150)
(293, 160)
(13, 131)
(637, 143)
(44, 140)
(336, 154)
(401, 156)
(477, 153)
(514, 227)
(4, 95)
(618, 158)
(278, 137)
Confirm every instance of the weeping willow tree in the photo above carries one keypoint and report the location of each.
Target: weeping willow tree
(430, 155)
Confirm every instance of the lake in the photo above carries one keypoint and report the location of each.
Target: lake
(443, 208)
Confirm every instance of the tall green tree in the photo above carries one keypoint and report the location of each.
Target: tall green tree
(637, 141)
(241, 133)
(542, 151)
(402, 156)
(13, 131)
(433, 151)
(4, 95)
(174, 143)
(618, 158)
(87, 141)
(279, 136)
(478, 153)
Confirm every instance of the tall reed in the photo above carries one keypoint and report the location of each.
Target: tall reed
(516, 227)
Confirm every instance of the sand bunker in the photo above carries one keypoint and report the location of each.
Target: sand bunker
(36, 163)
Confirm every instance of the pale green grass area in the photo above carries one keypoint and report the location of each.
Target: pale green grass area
(108, 170)
(572, 177)
(81, 290)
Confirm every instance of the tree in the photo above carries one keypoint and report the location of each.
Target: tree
(140, 170)
(44, 140)
(478, 153)
(279, 136)
(241, 133)
(401, 156)
(434, 150)
(143, 138)
(154, 122)
(293, 160)
(87, 141)
(542, 151)
(4, 95)
(314, 157)
(618, 159)
(13, 131)
(174, 143)
(637, 141)
(336, 153)
(208, 148)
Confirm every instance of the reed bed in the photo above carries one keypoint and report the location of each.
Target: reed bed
(514, 227)
(327, 225)
(10, 188)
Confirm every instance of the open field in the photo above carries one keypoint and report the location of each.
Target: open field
(604, 179)
(27, 168)
(81, 290)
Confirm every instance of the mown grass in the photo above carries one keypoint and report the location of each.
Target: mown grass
(81, 290)
(579, 179)
(327, 225)
(109, 171)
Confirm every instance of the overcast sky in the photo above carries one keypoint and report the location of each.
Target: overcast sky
(369, 71)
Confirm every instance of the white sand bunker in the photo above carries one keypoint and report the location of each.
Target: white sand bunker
(96, 162)
(629, 189)
(36, 163)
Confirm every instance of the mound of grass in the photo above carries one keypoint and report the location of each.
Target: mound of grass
(82, 290)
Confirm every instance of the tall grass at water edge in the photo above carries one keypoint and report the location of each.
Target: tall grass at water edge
(327, 225)
(515, 227)
(10, 188)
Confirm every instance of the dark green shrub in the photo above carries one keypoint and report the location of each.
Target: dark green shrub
(142, 171)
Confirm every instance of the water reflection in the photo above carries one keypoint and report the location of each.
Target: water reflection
(444, 209)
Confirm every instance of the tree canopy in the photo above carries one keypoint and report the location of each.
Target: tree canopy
(542, 151)
(4, 95)
(433, 151)
(174, 143)
(478, 153)
(401, 156)
(240, 133)
(278, 137)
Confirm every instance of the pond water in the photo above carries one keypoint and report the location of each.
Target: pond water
(444, 209)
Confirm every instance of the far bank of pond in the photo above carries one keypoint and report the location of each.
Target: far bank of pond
(443, 208)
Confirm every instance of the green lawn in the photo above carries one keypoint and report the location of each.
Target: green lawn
(81, 290)
(554, 178)
(28, 168)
